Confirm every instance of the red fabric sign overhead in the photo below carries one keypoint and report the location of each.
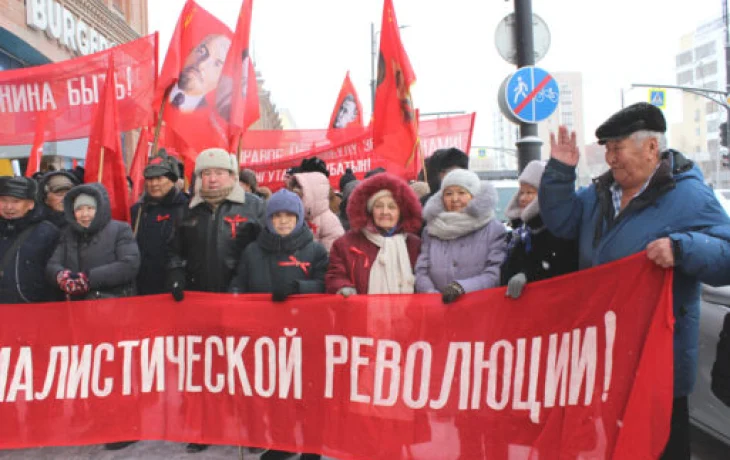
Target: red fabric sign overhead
(69, 92)
(362, 377)
(271, 153)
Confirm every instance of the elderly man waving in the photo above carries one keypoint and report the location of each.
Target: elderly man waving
(651, 198)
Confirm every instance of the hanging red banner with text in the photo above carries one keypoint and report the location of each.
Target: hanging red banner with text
(360, 377)
(68, 91)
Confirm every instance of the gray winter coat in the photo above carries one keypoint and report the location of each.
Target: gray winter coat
(106, 251)
(469, 254)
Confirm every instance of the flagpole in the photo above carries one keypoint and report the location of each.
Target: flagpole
(238, 149)
(101, 166)
(158, 126)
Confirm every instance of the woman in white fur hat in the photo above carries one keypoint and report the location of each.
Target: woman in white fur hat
(533, 253)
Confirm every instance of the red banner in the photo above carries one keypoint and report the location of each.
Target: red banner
(271, 153)
(362, 377)
(69, 92)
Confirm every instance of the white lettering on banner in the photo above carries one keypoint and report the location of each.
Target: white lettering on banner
(108, 349)
(39, 97)
(431, 144)
(59, 24)
(153, 364)
(193, 357)
(570, 366)
(79, 372)
(518, 374)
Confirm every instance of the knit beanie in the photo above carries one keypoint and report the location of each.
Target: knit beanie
(468, 180)
(215, 158)
(84, 200)
(284, 201)
(532, 173)
(375, 196)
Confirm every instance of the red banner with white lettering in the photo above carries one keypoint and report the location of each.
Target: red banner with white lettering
(68, 92)
(271, 153)
(360, 377)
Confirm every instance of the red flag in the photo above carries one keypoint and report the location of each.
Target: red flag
(34, 159)
(348, 110)
(237, 93)
(136, 171)
(395, 129)
(192, 70)
(104, 161)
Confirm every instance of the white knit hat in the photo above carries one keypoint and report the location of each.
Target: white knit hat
(215, 158)
(376, 196)
(532, 173)
(84, 200)
(468, 180)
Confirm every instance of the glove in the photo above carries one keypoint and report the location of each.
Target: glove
(284, 290)
(347, 291)
(75, 283)
(452, 292)
(515, 285)
(61, 279)
(176, 283)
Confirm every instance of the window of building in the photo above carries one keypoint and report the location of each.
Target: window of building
(697, 149)
(684, 78)
(697, 131)
(711, 108)
(713, 126)
(703, 51)
(706, 70)
(713, 145)
(710, 85)
(697, 115)
(684, 58)
(8, 62)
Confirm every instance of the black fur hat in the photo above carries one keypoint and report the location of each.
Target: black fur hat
(636, 117)
(18, 187)
(314, 164)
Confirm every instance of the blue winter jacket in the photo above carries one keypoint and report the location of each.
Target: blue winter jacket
(677, 204)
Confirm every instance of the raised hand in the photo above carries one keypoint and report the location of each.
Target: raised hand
(565, 148)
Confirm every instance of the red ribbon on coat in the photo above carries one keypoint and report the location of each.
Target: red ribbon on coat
(293, 262)
(235, 220)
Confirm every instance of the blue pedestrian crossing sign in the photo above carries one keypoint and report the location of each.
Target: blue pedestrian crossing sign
(531, 94)
(658, 97)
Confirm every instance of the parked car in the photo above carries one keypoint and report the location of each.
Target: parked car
(706, 411)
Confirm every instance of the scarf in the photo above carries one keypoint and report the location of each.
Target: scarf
(453, 225)
(215, 197)
(391, 272)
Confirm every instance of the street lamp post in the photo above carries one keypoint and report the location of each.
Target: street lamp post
(373, 51)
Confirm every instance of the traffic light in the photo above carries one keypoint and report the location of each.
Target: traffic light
(723, 134)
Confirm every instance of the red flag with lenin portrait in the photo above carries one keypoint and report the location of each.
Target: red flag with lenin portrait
(104, 162)
(395, 124)
(347, 112)
(237, 93)
(190, 76)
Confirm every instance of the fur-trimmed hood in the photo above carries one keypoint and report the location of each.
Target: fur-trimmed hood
(408, 204)
(513, 211)
(481, 207)
(315, 193)
(103, 208)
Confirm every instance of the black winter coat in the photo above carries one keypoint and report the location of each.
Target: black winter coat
(208, 243)
(21, 278)
(106, 251)
(153, 222)
(537, 253)
(273, 260)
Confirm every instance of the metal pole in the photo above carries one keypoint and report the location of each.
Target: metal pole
(528, 146)
(727, 86)
(372, 67)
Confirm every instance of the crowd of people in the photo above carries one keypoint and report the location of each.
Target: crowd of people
(377, 235)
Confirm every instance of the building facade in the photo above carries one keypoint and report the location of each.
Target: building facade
(36, 32)
(701, 63)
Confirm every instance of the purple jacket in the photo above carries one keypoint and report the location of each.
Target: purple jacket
(453, 248)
